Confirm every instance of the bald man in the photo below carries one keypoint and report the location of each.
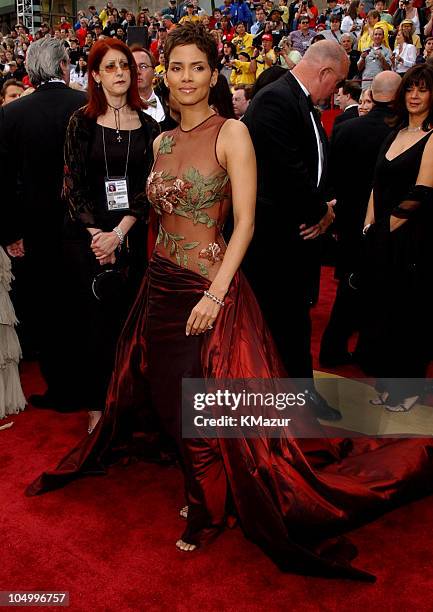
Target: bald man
(292, 212)
(354, 147)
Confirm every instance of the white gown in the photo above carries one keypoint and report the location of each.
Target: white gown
(12, 399)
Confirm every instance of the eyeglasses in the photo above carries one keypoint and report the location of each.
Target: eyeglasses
(144, 67)
(111, 67)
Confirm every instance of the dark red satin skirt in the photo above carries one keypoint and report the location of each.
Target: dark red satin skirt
(291, 495)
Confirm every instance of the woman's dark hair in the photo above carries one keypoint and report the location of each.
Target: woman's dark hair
(316, 39)
(192, 34)
(220, 97)
(352, 11)
(97, 104)
(232, 48)
(84, 68)
(273, 73)
(419, 75)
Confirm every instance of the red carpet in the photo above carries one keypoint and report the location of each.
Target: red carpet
(109, 541)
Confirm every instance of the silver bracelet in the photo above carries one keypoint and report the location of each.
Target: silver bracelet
(119, 234)
(214, 298)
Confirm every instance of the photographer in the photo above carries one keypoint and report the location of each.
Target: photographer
(288, 56)
(243, 41)
(306, 8)
(229, 54)
(374, 60)
(333, 10)
(406, 10)
(277, 27)
(352, 22)
(263, 57)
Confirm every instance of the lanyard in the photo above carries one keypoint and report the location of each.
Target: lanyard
(105, 153)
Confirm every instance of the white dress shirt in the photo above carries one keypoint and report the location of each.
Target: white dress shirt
(156, 112)
(320, 155)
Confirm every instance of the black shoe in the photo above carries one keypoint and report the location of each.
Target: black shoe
(48, 401)
(321, 408)
(335, 360)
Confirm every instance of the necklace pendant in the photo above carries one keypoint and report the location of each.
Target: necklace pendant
(119, 137)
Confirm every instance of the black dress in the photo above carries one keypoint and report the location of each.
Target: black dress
(395, 338)
(94, 325)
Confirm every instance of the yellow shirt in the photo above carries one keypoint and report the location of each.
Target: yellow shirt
(160, 69)
(261, 65)
(366, 41)
(244, 43)
(241, 74)
(192, 18)
(103, 17)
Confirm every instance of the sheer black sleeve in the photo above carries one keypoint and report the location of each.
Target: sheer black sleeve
(76, 189)
(417, 198)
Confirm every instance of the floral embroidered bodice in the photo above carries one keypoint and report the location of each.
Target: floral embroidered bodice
(191, 194)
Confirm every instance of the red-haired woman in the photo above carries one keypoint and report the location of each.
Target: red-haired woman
(108, 155)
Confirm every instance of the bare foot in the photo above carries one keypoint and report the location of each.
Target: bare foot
(181, 545)
(183, 512)
(94, 416)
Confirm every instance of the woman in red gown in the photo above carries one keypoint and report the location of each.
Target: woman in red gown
(290, 495)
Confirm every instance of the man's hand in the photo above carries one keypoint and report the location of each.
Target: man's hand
(309, 233)
(16, 249)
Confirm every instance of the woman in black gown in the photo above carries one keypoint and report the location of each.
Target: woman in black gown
(395, 341)
(108, 144)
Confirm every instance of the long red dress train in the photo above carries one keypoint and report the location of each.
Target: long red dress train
(291, 496)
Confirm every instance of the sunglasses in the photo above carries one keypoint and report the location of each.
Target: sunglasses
(111, 67)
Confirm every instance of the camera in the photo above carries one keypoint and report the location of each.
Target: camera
(283, 42)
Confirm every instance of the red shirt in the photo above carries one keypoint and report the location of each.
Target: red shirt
(81, 35)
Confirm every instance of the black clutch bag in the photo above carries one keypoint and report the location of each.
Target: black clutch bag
(110, 284)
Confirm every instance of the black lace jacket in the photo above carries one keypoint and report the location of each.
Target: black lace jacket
(76, 182)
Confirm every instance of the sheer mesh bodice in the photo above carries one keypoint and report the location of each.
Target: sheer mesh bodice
(190, 191)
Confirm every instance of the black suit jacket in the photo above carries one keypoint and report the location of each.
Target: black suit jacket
(279, 122)
(32, 135)
(350, 113)
(354, 148)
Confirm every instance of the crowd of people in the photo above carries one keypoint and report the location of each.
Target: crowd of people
(176, 162)
(251, 37)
